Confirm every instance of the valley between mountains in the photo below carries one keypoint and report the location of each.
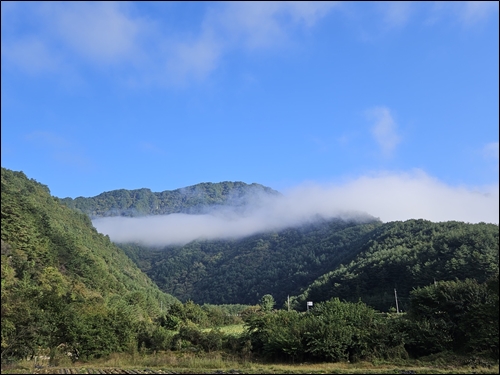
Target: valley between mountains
(314, 259)
(72, 292)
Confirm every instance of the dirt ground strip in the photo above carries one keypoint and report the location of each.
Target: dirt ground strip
(83, 370)
(98, 371)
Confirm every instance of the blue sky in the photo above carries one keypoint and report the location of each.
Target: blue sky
(103, 96)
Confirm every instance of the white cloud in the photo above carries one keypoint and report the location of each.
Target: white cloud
(31, 54)
(309, 12)
(233, 25)
(403, 196)
(57, 36)
(193, 60)
(473, 12)
(384, 130)
(467, 13)
(112, 33)
(264, 24)
(101, 31)
(396, 13)
(389, 196)
(252, 24)
(63, 36)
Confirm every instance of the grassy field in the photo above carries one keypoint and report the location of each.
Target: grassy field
(235, 329)
(220, 363)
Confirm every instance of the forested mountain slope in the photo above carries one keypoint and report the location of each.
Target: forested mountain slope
(241, 271)
(192, 199)
(328, 259)
(406, 255)
(62, 281)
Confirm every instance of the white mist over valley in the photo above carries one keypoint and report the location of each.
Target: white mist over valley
(387, 196)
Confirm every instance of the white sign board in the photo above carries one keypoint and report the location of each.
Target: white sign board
(309, 303)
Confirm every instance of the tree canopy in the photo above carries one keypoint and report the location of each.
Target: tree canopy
(330, 258)
(62, 281)
(190, 199)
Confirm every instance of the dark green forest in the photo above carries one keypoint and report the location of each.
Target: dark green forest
(332, 258)
(68, 290)
(407, 255)
(241, 271)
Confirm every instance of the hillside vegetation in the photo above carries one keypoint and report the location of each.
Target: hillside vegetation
(63, 282)
(347, 259)
(406, 255)
(191, 199)
(279, 263)
(68, 292)
(333, 258)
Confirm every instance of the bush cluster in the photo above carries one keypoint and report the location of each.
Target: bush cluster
(450, 316)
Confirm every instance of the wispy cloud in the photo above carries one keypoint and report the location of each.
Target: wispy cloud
(396, 14)
(384, 129)
(110, 34)
(102, 32)
(264, 24)
(473, 12)
(466, 13)
(31, 54)
(63, 37)
(193, 60)
(389, 196)
(68, 36)
(234, 25)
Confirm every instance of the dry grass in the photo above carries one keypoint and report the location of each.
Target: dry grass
(189, 362)
(235, 329)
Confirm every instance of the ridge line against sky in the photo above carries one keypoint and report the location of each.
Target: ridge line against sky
(386, 197)
(99, 96)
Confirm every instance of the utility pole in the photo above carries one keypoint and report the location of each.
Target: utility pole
(288, 302)
(396, 296)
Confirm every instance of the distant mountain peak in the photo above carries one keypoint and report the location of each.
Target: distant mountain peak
(190, 199)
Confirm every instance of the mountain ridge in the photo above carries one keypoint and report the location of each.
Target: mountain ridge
(319, 260)
(193, 199)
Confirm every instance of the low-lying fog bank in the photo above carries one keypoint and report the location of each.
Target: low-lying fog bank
(387, 196)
